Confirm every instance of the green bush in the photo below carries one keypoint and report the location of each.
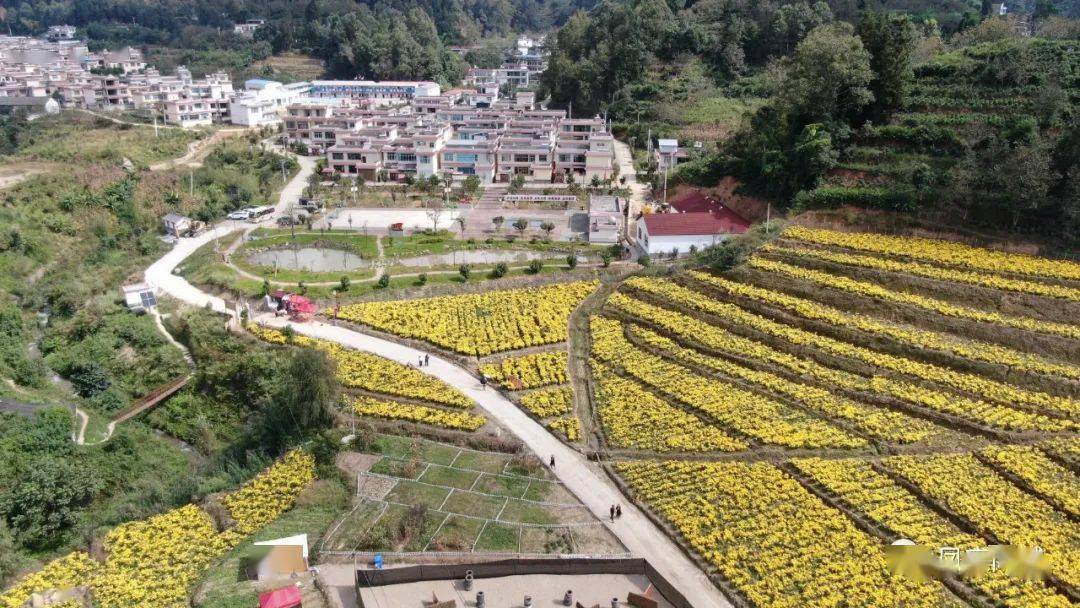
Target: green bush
(535, 266)
(831, 197)
(384, 280)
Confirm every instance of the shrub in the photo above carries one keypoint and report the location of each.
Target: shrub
(422, 278)
(644, 260)
(571, 261)
(535, 266)
(465, 271)
(831, 197)
(605, 259)
(344, 285)
(384, 281)
(499, 271)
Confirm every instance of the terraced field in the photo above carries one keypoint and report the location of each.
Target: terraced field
(792, 418)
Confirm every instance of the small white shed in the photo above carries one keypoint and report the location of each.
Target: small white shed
(138, 297)
(176, 224)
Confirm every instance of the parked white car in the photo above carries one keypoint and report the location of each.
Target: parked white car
(239, 214)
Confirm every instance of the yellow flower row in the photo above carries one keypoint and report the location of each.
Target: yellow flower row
(879, 498)
(362, 370)
(978, 494)
(719, 339)
(528, 371)
(929, 271)
(393, 410)
(75, 569)
(153, 562)
(911, 336)
(941, 252)
(1045, 476)
(910, 299)
(778, 545)
(549, 401)
(880, 423)
(479, 324)
(998, 392)
(274, 491)
(635, 418)
(1066, 449)
(748, 413)
(569, 426)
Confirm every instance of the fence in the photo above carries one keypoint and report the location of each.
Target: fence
(523, 566)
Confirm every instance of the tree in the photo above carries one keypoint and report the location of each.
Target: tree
(547, 227)
(461, 224)
(307, 397)
(521, 224)
(890, 40)
(516, 184)
(435, 212)
(571, 261)
(1044, 9)
(43, 504)
(471, 185)
(829, 78)
(465, 271)
(498, 221)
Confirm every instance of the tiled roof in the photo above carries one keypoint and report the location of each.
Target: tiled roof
(697, 223)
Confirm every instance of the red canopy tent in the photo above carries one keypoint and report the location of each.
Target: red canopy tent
(287, 597)
(300, 307)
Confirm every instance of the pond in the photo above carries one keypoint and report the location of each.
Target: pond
(318, 259)
(311, 259)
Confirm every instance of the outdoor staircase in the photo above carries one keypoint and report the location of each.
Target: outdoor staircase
(492, 197)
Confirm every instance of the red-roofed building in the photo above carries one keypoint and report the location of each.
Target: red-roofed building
(696, 220)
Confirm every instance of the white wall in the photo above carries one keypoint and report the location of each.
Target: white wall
(664, 244)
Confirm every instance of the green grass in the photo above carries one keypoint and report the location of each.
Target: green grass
(422, 449)
(393, 532)
(531, 513)
(481, 461)
(539, 490)
(498, 538)
(451, 477)
(476, 505)
(362, 245)
(457, 534)
(223, 587)
(398, 468)
(512, 487)
(412, 493)
(351, 531)
(77, 138)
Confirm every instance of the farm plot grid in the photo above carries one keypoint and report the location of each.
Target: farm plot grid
(427, 497)
(840, 392)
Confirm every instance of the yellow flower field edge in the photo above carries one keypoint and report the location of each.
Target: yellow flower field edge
(876, 422)
(528, 371)
(75, 569)
(635, 418)
(999, 392)
(920, 338)
(747, 413)
(776, 543)
(153, 562)
(548, 402)
(274, 491)
(479, 324)
(717, 338)
(1058, 484)
(930, 272)
(941, 252)
(568, 426)
(978, 494)
(362, 370)
(393, 410)
(935, 305)
(878, 497)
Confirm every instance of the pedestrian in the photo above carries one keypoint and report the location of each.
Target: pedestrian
(552, 461)
(618, 511)
(483, 382)
(427, 360)
(612, 510)
(420, 362)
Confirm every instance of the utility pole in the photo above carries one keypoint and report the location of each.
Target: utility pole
(768, 217)
(283, 180)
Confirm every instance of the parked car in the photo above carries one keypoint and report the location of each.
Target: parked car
(239, 214)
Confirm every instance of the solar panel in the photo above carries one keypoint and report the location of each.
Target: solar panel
(148, 299)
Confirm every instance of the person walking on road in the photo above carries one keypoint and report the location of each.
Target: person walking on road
(618, 511)
(427, 360)
(552, 463)
(483, 382)
(612, 510)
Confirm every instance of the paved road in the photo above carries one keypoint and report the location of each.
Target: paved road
(584, 479)
(160, 274)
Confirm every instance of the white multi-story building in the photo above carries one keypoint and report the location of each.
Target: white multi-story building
(247, 28)
(387, 90)
(263, 102)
